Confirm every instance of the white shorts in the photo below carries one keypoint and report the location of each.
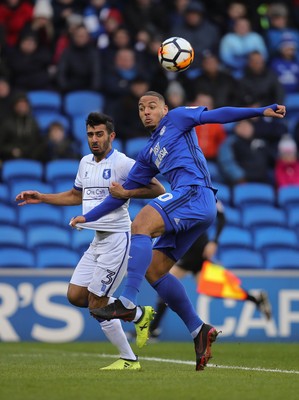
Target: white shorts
(104, 264)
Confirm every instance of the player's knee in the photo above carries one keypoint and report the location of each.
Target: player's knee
(77, 298)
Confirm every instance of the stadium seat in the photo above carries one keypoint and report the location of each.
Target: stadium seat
(282, 259)
(262, 216)
(233, 237)
(253, 194)
(15, 257)
(224, 193)
(288, 196)
(45, 100)
(17, 187)
(63, 185)
(12, 236)
(291, 102)
(79, 128)
(56, 257)
(82, 102)
(233, 216)
(241, 258)
(69, 212)
(47, 236)
(46, 118)
(293, 217)
(274, 237)
(18, 169)
(133, 146)
(4, 193)
(40, 214)
(8, 214)
(61, 169)
(82, 239)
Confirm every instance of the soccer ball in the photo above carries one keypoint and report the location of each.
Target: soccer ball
(176, 54)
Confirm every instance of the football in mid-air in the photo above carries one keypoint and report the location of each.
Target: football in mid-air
(176, 54)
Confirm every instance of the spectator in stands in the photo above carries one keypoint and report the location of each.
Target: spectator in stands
(118, 78)
(29, 64)
(199, 31)
(237, 45)
(176, 15)
(259, 84)
(269, 130)
(62, 10)
(214, 80)
(58, 144)
(73, 21)
(285, 64)
(278, 14)
(235, 11)
(120, 39)
(127, 122)
(42, 23)
(101, 21)
(242, 157)
(175, 95)
(287, 164)
(146, 14)
(14, 14)
(210, 136)
(159, 77)
(20, 134)
(79, 67)
(5, 98)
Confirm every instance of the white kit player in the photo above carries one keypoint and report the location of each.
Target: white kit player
(104, 264)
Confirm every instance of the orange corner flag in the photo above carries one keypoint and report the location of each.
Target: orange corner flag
(216, 281)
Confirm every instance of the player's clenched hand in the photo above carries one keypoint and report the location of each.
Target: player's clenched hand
(116, 190)
(280, 112)
(28, 197)
(77, 220)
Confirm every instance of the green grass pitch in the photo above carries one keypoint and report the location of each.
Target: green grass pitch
(243, 371)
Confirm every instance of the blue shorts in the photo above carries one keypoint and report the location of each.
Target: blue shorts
(187, 213)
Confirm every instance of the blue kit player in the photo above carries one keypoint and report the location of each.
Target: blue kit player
(176, 218)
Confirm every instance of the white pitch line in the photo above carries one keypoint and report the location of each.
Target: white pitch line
(172, 361)
(167, 360)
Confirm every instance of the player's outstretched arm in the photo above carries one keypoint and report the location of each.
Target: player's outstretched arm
(29, 197)
(224, 115)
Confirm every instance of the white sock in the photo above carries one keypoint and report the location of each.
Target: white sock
(126, 302)
(138, 314)
(115, 334)
(196, 332)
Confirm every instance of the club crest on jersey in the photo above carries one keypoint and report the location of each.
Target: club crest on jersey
(107, 173)
(162, 131)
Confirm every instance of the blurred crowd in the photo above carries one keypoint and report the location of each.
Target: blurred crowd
(246, 54)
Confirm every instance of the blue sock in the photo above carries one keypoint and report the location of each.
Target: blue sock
(174, 294)
(139, 261)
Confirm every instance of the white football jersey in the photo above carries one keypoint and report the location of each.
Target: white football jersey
(94, 179)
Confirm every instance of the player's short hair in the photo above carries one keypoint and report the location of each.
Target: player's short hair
(155, 94)
(96, 118)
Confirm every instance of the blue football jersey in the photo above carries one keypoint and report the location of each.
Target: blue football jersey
(173, 151)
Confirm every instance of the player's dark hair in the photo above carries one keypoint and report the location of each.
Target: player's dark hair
(156, 94)
(95, 118)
